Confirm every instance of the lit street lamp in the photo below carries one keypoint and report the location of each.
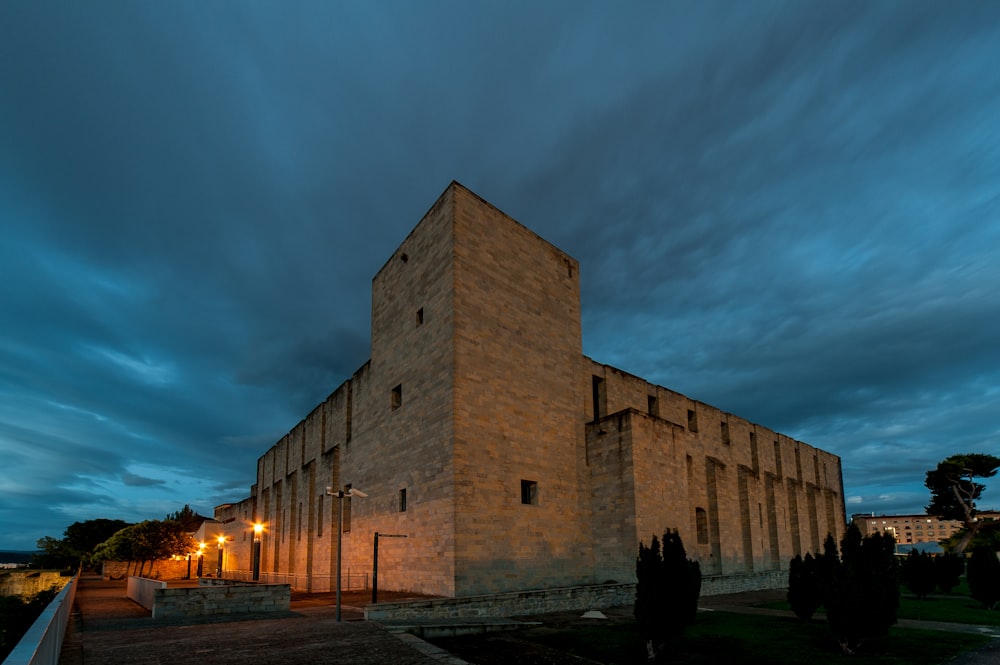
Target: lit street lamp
(258, 528)
(201, 558)
(222, 541)
(340, 494)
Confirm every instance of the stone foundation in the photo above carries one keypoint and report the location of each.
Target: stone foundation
(566, 599)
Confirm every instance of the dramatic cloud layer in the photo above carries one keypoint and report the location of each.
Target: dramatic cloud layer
(788, 210)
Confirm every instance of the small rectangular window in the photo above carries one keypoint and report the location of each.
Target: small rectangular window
(319, 522)
(653, 407)
(402, 500)
(397, 397)
(420, 317)
(724, 432)
(529, 492)
(692, 420)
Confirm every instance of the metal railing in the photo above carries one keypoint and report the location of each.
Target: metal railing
(301, 581)
(42, 644)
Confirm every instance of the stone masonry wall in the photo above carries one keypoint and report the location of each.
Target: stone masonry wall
(566, 599)
(221, 599)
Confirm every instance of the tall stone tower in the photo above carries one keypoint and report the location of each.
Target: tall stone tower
(476, 356)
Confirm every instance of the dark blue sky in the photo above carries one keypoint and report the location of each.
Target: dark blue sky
(787, 210)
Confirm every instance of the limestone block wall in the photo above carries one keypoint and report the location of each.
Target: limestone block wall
(221, 600)
(517, 352)
(518, 603)
(166, 569)
(744, 498)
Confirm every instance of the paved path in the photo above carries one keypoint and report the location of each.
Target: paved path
(110, 629)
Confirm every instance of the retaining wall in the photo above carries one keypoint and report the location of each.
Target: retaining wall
(217, 597)
(566, 599)
(143, 590)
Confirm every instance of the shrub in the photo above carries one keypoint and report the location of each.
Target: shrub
(805, 586)
(919, 573)
(666, 595)
(863, 590)
(984, 577)
(948, 568)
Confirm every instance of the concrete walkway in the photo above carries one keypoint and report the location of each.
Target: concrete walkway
(110, 629)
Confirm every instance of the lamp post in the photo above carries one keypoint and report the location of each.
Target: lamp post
(218, 572)
(340, 494)
(258, 528)
(201, 558)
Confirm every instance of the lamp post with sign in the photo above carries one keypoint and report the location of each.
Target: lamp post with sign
(350, 492)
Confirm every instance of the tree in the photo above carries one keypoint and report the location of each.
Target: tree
(948, 568)
(919, 573)
(79, 541)
(53, 554)
(805, 586)
(984, 577)
(863, 591)
(146, 542)
(188, 519)
(954, 490)
(666, 593)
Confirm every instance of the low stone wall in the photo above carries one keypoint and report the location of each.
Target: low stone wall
(716, 585)
(142, 590)
(167, 569)
(219, 597)
(565, 599)
(516, 603)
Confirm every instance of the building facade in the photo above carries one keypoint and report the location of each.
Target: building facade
(914, 529)
(508, 459)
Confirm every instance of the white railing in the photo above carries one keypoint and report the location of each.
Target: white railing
(42, 644)
(142, 590)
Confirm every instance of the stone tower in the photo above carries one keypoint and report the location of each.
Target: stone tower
(476, 351)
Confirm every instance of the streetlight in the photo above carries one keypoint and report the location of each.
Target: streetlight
(201, 557)
(340, 494)
(222, 541)
(258, 528)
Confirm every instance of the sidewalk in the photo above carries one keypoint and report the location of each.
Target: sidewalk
(110, 629)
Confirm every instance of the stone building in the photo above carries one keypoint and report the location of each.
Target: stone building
(511, 461)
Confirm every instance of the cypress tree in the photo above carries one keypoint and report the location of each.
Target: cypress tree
(948, 568)
(919, 573)
(666, 593)
(984, 577)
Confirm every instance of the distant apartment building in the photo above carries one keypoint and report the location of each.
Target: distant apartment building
(913, 529)
(508, 459)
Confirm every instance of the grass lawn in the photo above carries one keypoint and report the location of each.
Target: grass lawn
(954, 608)
(721, 637)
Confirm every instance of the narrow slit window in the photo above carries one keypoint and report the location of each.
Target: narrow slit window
(396, 400)
(420, 317)
(529, 492)
(724, 427)
(652, 405)
(692, 420)
(402, 500)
